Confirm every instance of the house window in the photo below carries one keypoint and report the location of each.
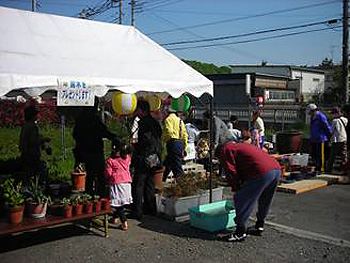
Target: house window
(316, 79)
(281, 95)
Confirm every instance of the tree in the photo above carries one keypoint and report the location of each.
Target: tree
(206, 68)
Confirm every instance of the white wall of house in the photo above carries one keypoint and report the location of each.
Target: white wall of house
(312, 83)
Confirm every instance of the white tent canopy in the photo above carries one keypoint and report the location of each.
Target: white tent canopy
(37, 51)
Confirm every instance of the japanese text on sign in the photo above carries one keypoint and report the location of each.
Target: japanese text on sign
(75, 93)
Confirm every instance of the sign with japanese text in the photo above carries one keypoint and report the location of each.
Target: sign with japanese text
(75, 93)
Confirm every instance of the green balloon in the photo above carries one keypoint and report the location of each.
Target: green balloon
(181, 104)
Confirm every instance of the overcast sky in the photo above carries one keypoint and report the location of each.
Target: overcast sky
(299, 33)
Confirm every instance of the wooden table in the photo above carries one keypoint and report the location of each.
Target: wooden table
(51, 220)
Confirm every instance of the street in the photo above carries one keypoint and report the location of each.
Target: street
(310, 227)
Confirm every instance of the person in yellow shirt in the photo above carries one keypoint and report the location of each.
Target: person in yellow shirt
(175, 137)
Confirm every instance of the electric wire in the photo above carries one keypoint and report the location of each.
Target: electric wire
(245, 17)
(337, 20)
(254, 40)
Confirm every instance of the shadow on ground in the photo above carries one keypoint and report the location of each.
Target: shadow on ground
(40, 236)
(178, 229)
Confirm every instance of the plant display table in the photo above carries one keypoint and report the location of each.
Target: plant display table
(50, 220)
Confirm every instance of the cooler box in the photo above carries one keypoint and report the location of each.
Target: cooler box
(213, 217)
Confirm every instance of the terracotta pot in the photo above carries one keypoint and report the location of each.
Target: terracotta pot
(106, 204)
(67, 211)
(97, 206)
(16, 214)
(88, 208)
(38, 210)
(78, 209)
(288, 142)
(78, 181)
(158, 178)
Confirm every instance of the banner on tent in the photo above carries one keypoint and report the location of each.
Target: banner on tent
(75, 93)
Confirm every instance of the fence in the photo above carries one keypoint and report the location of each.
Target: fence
(277, 115)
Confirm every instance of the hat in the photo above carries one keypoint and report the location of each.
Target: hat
(311, 107)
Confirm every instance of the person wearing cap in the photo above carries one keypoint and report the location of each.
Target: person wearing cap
(253, 174)
(338, 139)
(175, 137)
(320, 131)
(31, 143)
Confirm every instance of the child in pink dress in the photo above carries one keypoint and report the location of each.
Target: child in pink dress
(119, 179)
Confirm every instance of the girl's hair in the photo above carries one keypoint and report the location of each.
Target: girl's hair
(119, 146)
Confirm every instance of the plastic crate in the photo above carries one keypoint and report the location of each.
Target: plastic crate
(213, 217)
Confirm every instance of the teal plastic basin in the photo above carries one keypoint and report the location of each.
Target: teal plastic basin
(213, 217)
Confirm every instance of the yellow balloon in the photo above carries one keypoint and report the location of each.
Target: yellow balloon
(154, 102)
(124, 103)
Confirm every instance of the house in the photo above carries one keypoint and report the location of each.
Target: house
(245, 88)
(307, 81)
(238, 94)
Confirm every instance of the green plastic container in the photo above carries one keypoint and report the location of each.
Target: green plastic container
(213, 217)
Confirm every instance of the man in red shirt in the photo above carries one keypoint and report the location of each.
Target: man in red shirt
(254, 175)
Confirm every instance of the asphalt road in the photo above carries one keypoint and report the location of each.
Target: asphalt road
(301, 228)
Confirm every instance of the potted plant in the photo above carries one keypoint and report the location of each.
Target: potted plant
(190, 190)
(67, 207)
(37, 200)
(87, 201)
(77, 205)
(78, 178)
(14, 199)
(97, 204)
(106, 204)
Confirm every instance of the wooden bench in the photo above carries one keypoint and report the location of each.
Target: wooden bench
(51, 220)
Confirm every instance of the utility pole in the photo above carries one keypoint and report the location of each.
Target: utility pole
(345, 58)
(132, 12)
(33, 5)
(120, 12)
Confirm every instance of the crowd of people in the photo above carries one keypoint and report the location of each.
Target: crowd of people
(127, 176)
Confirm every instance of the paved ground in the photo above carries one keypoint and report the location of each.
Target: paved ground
(302, 228)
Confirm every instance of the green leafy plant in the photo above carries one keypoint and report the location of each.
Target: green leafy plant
(189, 184)
(66, 201)
(96, 198)
(86, 198)
(12, 193)
(76, 199)
(37, 192)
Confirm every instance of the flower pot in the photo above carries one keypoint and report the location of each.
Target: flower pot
(178, 206)
(97, 206)
(158, 178)
(78, 209)
(88, 208)
(288, 142)
(78, 181)
(16, 214)
(67, 211)
(106, 204)
(37, 210)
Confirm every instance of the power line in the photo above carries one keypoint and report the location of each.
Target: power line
(247, 17)
(255, 33)
(253, 40)
(161, 3)
(233, 50)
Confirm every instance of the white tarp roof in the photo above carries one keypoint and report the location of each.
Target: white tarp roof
(39, 50)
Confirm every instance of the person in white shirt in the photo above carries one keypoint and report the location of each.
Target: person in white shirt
(338, 139)
(258, 124)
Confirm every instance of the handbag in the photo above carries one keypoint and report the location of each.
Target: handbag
(153, 161)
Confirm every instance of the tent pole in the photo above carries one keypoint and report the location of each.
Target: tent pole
(211, 148)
